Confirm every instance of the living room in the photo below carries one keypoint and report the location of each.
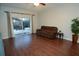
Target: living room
(58, 15)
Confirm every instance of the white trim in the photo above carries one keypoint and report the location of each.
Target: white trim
(70, 39)
(19, 13)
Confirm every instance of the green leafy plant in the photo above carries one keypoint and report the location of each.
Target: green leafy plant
(75, 26)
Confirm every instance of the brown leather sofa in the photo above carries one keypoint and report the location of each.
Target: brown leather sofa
(47, 31)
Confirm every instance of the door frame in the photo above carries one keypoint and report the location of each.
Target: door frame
(10, 22)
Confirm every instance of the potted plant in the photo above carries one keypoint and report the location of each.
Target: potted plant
(75, 30)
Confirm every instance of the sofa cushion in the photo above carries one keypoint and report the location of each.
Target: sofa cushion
(47, 31)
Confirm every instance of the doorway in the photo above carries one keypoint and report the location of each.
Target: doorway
(22, 24)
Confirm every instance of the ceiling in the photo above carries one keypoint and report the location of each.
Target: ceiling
(27, 6)
(31, 7)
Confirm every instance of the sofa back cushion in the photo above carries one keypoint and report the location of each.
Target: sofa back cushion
(49, 29)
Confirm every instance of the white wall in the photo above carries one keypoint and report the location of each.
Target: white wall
(0, 25)
(59, 15)
(3, 19)
(0, 21)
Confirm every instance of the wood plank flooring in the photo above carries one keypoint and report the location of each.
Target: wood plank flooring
(32, 45)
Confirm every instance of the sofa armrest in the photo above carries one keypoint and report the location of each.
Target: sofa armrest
(37, 31)
(56, 34)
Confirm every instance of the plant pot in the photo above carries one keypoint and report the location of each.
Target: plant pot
(74, 38)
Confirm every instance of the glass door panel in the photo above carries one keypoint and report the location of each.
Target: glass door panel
(22, 24)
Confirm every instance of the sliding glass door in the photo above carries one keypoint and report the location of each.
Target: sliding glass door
(22, 24)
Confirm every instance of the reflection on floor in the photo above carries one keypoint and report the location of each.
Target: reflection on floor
(26, 30)
(32, 45)
(22, 39)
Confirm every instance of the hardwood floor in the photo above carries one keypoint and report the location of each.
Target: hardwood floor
(32, 45)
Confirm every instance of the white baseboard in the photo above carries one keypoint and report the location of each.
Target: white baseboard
(70, 39)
